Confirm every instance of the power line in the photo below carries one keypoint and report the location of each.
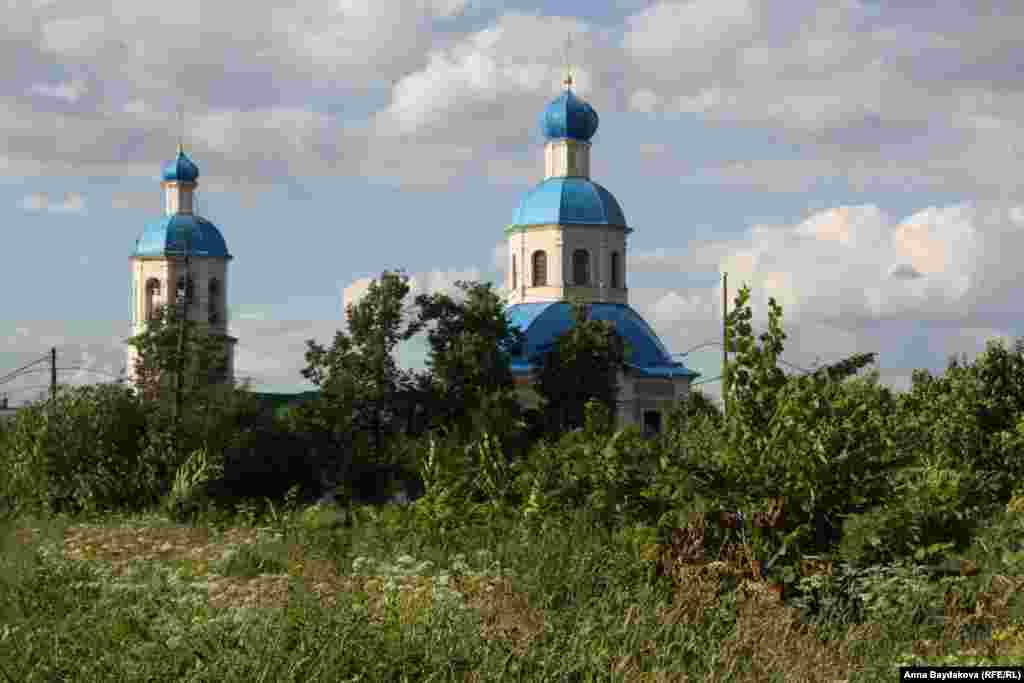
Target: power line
(717, 343)
(67, 369)
(12, 373)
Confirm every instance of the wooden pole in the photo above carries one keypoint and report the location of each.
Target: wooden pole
(53, 374)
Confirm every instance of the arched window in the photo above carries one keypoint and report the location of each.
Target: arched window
(540, 269)
(581, 267)
(616, 280)
(214, 300)
(515, 282)
(652, 423)
(186, 290)
(152, 292)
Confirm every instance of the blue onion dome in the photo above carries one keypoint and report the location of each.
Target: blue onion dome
(569, 117)
(562, 201)
(181, 169)
(174, 234)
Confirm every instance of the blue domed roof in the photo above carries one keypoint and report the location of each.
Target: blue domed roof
(569, 117)
(569, 200)
(181, 169)
(167, 236)
(543, 323)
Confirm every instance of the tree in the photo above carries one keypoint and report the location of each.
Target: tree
(582, 364)
(696, 405)
(358, 376)
(202, 359)
(470, 350)
(753, 378)
(207, 400)
(818, 441)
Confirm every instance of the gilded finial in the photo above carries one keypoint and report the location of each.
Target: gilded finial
(181, 128)
(568, 67)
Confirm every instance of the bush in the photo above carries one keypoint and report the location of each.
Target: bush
(82, 451)
(932, 507)
(594, 469)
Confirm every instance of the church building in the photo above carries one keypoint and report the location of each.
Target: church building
(181, 256)
(568, 241)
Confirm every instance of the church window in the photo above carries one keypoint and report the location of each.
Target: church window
(540, 269)
(213, 290)
(616, 280)
(581, 267)
(186, 290)
(652, 423)
(152, 292)
(514, 278)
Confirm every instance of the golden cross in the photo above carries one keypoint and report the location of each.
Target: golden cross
(568, 67)
(181, 126)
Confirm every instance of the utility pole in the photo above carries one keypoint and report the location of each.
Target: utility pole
(725, 347)
(183, 302)
(53, 374)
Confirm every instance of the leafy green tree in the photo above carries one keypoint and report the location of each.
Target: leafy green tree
(202, 359)
(819, 441)
(752, 377)
(696, 405)
(582, 364)
(204, 414)
(358, 376)
(470, 354)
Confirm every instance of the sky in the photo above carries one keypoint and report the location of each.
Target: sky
(857, 161)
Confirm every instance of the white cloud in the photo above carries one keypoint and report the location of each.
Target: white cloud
(644, 100)
(485, 78)
(72, 203)
(70, 91)
(431, 282)
(34, 202)
(688, 29)
(75, 37)
(852, 280)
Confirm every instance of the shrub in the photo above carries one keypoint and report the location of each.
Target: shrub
(933, 506)
(82, 451)
(594, 469)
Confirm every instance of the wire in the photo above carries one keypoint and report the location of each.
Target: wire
(66, 369)
(14, 373)
(717, 343)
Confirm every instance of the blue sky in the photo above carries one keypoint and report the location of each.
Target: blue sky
(856, 161)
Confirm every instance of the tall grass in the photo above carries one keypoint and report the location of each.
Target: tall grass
(564, 600)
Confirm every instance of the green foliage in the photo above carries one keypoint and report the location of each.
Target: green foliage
(582, 364)
(819, 442)
(202, 360)
(359, 378)
(188, 496)
(594, 469)
(470, 349)
(695, 406)
(249, 561)
(929, 507)
(752, 378)
(80, 452)
(970, 418)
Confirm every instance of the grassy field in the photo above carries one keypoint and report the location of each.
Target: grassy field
(304, 597)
